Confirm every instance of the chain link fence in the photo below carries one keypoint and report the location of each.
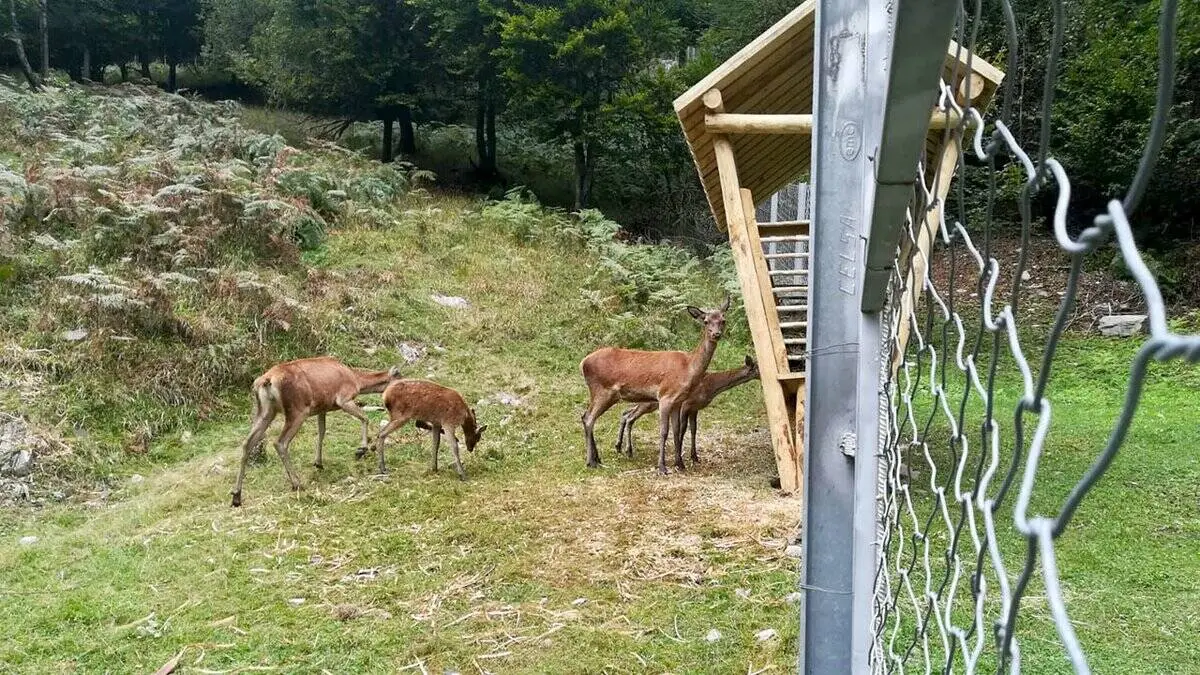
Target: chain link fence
(960, 452)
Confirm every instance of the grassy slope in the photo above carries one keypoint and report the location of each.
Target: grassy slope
(462, 571)
(486, 574)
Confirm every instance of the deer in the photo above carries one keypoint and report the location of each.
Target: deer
(300, 389)
(709, 387)
(614, 374)
(432, 407)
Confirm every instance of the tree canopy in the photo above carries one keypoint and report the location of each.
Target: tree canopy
(589, 83)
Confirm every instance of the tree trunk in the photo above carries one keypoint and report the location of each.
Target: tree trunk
(144, 65)
(85, 71)
(44, 35)
(124, 68)
(408, 137)
(386, 154)
(480, 135)
(15, 38)
(583, 173)
(490, 164)
(171, 68)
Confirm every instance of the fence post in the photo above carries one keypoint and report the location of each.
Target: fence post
(842, 413)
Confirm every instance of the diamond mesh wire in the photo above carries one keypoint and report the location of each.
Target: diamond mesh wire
(953, 466)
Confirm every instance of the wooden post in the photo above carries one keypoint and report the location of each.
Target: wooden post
(926, 232)
(744, 254)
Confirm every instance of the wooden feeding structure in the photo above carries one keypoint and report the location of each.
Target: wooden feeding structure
(749, 126)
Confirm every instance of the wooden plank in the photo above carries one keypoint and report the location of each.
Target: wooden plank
(778, 416)
(751, 55)
(764, 281)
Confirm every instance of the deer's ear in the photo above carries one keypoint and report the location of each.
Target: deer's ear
(480, 430)
(696, 312)
(749, 362)
(725, 305)
(394, 372)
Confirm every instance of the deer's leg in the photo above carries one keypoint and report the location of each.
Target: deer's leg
(601, 401)
(320, 440)
(258, 430)
(678, 427)
(436, 433)
(351, 408)
(642, 411)
(291, 426)
(692, 431)
(392, 425)
(666, 416)
(458, 467)
(621, 429)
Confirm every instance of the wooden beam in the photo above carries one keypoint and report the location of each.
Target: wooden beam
(926, 231)
(734, 123)
(778, 417)
(764, 283)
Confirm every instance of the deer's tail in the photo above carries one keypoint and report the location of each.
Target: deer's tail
(265, 396)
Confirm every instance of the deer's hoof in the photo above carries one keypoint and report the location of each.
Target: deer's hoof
(662, 469)
(593, 464)
(318, 465)
(361, 452)
(462, 476)
(237, 498)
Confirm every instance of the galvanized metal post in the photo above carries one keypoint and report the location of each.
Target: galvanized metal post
(841, 101)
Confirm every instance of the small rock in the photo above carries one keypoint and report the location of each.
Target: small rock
(185, 437)
(75, 335)
(450, 301)
(28, 540)
(579, 601)
(1025, 276)
(1121, 325)
(136, 478)
(412, 352)
(296, 602)
(713, 635)
(743, 593)
(19, 463)
(793, 597)
(766, 634)
(793, 551)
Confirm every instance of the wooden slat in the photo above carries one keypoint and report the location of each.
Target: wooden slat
(779, 417)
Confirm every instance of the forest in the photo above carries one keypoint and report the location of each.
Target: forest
(571, 99)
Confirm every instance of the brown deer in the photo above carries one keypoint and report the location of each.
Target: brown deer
(300, 389)
(711, 386)
(614, 374)
(434, 407)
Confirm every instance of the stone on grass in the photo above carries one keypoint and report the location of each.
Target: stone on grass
(766, 634)
(713, 635)
(1121, 325)
(450, 301)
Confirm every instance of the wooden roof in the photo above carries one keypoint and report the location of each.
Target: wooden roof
(772, 75)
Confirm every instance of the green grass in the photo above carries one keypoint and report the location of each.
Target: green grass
(535, 564)
(1128, 560)
(487, 571)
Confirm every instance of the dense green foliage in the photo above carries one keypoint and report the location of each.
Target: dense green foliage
(572, 97)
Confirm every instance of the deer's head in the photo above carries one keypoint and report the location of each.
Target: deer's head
(751, 368)
(712, 320)
(472, 433)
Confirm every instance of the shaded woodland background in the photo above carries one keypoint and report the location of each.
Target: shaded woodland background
(573, 99)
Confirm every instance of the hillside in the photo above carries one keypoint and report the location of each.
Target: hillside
(183, 255)
(156, 255)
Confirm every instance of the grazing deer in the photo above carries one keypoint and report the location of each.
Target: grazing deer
(615, 374)
(300, 389)
(711, 386)
(434, 407)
